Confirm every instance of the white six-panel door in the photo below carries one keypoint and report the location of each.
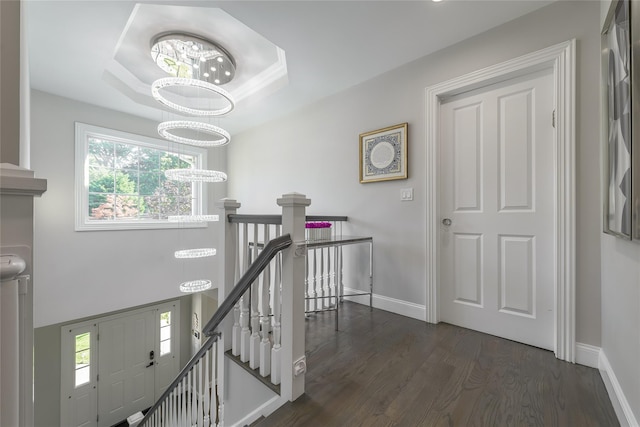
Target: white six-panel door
(126, 372)
(497, 192)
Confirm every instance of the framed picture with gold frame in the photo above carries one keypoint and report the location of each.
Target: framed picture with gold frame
(383, 154)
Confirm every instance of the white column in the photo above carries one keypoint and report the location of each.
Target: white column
(293, 275)
(10, 387)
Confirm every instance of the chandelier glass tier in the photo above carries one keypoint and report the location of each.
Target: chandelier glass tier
(222, 137)
(172, 82)
(195, 253)
(195, 286)
(193, 218)
(195, 175)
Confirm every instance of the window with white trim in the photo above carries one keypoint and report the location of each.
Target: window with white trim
(121, 183)
(165, 333)
(82, 359)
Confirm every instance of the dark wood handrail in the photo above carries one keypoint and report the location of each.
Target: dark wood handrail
(268, 253)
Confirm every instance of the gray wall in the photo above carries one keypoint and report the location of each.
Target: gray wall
(47, 364)
(100, 271)
(10, 82)
(315, 152)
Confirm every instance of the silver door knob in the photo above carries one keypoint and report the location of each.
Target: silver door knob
(446, 221)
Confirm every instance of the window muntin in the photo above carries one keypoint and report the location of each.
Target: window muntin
(82, 359)
(120, 181)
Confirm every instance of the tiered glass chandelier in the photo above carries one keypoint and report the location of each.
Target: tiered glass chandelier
(199, 65)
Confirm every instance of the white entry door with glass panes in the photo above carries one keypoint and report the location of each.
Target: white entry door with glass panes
(118, 365)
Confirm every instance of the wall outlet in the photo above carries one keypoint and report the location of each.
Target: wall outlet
(300, 366)
(406, 194)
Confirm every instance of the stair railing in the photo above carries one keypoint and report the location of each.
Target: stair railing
(198, 395)
(267, 328)
(192, 398)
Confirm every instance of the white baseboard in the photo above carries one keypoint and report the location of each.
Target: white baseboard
(404, 308)
(618, 399)
(587, 355)
(264, 410)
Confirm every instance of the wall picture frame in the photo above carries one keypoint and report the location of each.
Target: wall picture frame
(621, 71)
(383, 154)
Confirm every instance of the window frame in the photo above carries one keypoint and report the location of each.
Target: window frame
(69, 391)
(83, 222)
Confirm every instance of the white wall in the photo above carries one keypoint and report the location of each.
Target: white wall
(315, 151)
(621, 305)
(87, 273)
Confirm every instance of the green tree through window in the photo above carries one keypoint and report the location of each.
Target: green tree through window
(127, 182)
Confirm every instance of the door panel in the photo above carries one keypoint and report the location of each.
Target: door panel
(468, 268)
(126, 378)
(516, 151)
(497, 270)
(517, 269)
(468, 160)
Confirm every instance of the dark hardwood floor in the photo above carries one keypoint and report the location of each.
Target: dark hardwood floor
(382, 369)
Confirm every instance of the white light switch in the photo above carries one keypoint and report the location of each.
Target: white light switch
(406, 194)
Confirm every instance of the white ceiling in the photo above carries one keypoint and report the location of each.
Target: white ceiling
(329, 45)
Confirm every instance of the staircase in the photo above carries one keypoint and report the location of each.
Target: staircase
(260, 324)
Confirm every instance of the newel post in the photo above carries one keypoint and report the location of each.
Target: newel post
(293, 272)
(227, 253)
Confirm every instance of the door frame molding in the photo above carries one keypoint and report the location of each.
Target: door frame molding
(94, 322)
(561, 58)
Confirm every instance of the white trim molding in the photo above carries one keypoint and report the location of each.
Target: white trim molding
(618, 399)
(587, 355)
(83, 132)
(560, 58)
(403, 308)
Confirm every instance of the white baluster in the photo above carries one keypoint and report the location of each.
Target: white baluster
(189, 397)
(276, 367)
(171, 406)
(206, 397)
(307, 288)
(334, 276)
(327, 282)
(323, 280)
(315, 305)
(331, 284)
(217, 408)
(317, 272)
(339, 272)
(254, 357)
(200, 392)
(235, 334)
(183, 406)
(245, 301)
(265, 344)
